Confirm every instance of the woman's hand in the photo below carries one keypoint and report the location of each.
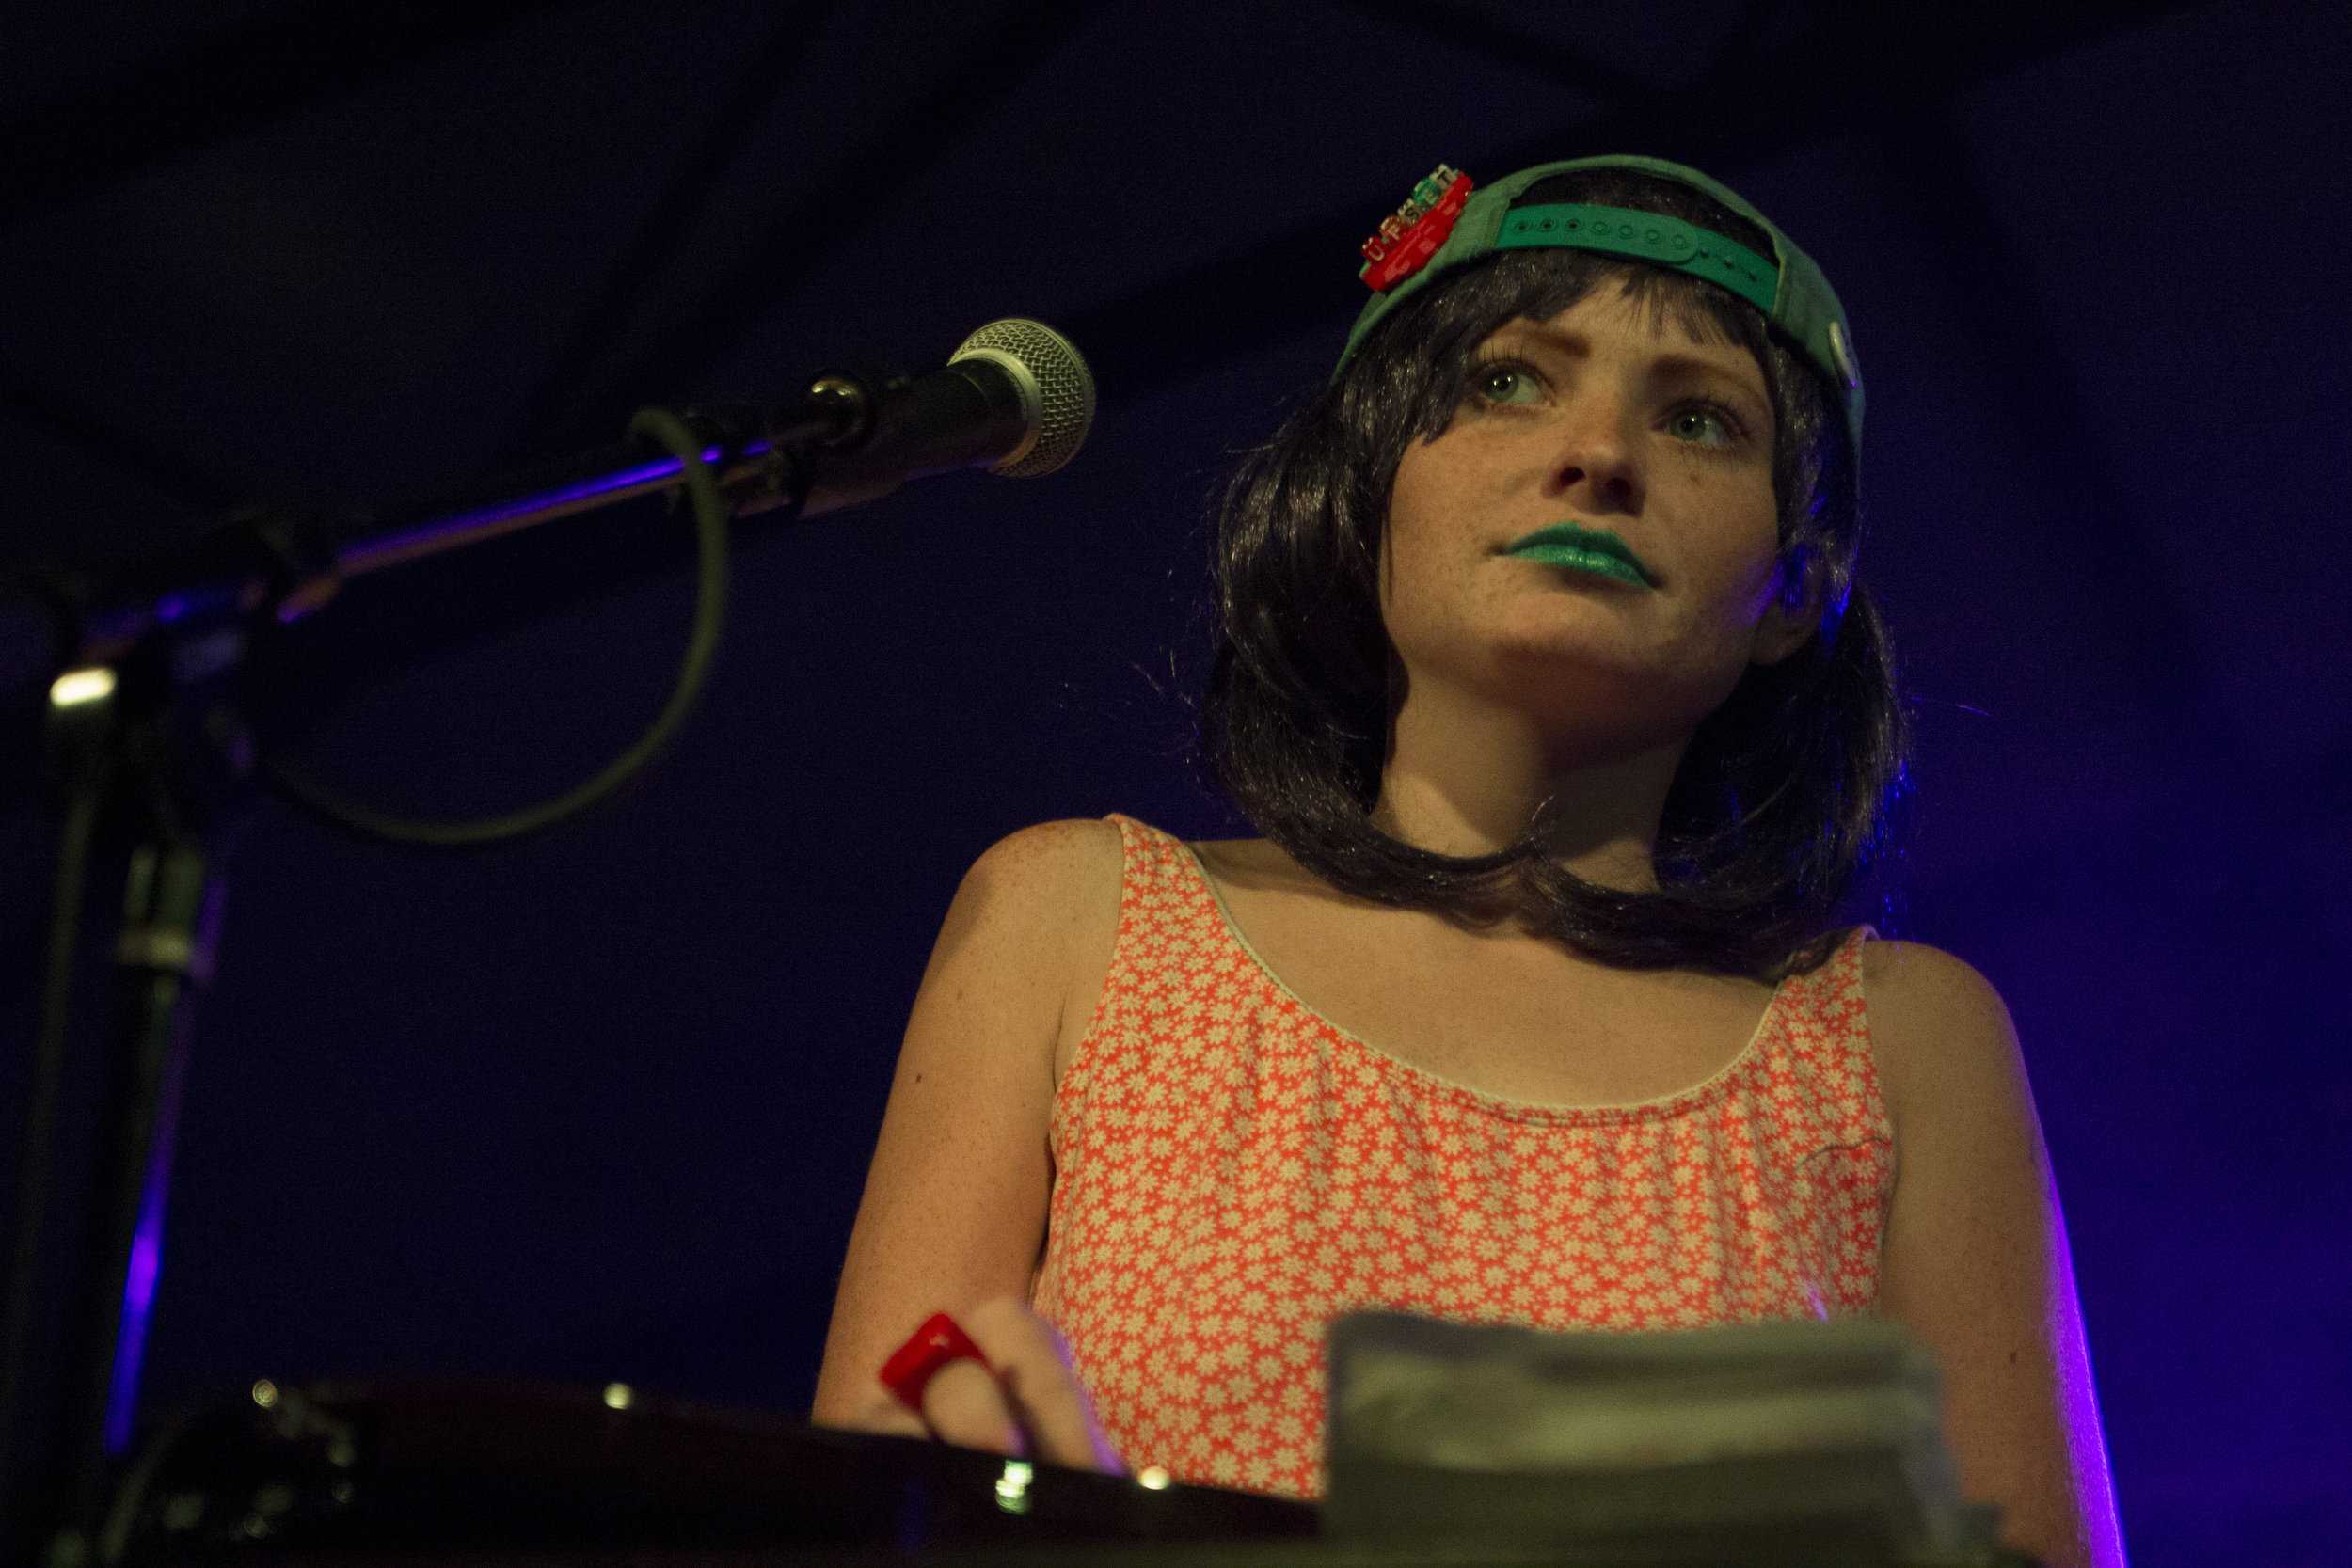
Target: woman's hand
(1031, 1407)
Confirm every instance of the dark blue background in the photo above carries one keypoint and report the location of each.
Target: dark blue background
(598, 1106)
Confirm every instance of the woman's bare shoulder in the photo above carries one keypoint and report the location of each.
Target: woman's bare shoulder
(1057, 885)
(1938, 1028)
(1062, 855)
(1908, 984)
(1058, 881)
(1035, 889)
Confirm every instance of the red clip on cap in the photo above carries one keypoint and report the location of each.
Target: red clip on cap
(1406, 241)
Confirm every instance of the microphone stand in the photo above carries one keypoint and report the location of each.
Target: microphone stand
(145, 758)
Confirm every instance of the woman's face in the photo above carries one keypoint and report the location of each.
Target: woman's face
(1593, 423)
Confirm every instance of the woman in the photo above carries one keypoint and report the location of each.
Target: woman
(1543, 671)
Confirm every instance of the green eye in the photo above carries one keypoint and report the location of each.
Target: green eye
(1505, 383)
(1704, 423)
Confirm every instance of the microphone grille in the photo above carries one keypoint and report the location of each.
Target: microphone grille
(1064, 388)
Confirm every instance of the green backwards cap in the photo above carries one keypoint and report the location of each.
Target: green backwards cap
(1786, 286)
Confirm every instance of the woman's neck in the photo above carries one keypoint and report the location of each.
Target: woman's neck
(1465, 778)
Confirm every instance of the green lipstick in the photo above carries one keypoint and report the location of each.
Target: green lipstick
(1583, 549)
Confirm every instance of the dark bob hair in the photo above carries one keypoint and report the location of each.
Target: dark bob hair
(1780, 798)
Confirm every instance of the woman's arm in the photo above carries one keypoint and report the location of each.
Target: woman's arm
(1974, 1260)
(953, 1216)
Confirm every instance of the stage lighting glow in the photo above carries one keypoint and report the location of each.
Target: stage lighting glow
(77, 687)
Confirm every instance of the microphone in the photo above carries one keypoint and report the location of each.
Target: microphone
(1016, 398)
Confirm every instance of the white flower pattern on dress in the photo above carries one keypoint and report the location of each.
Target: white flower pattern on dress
(1232, 1170)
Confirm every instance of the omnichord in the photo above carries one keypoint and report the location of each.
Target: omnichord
(448, 1471)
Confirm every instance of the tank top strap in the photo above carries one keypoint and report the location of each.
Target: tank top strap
(1155, 863)
(1168, 916)
(1168, 924)
(1820, 1052)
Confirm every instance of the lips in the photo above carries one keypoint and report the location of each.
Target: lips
(1583, 549)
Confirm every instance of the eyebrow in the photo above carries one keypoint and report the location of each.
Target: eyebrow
(1671, 364)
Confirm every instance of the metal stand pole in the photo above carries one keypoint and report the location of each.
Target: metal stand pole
(163, 955)
(136, 765)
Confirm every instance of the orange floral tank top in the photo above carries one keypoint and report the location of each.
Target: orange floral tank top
(1232, 1170)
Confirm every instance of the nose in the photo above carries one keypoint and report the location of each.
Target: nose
(1595, 462)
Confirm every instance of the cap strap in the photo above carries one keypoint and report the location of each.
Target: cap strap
(1648, 237)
